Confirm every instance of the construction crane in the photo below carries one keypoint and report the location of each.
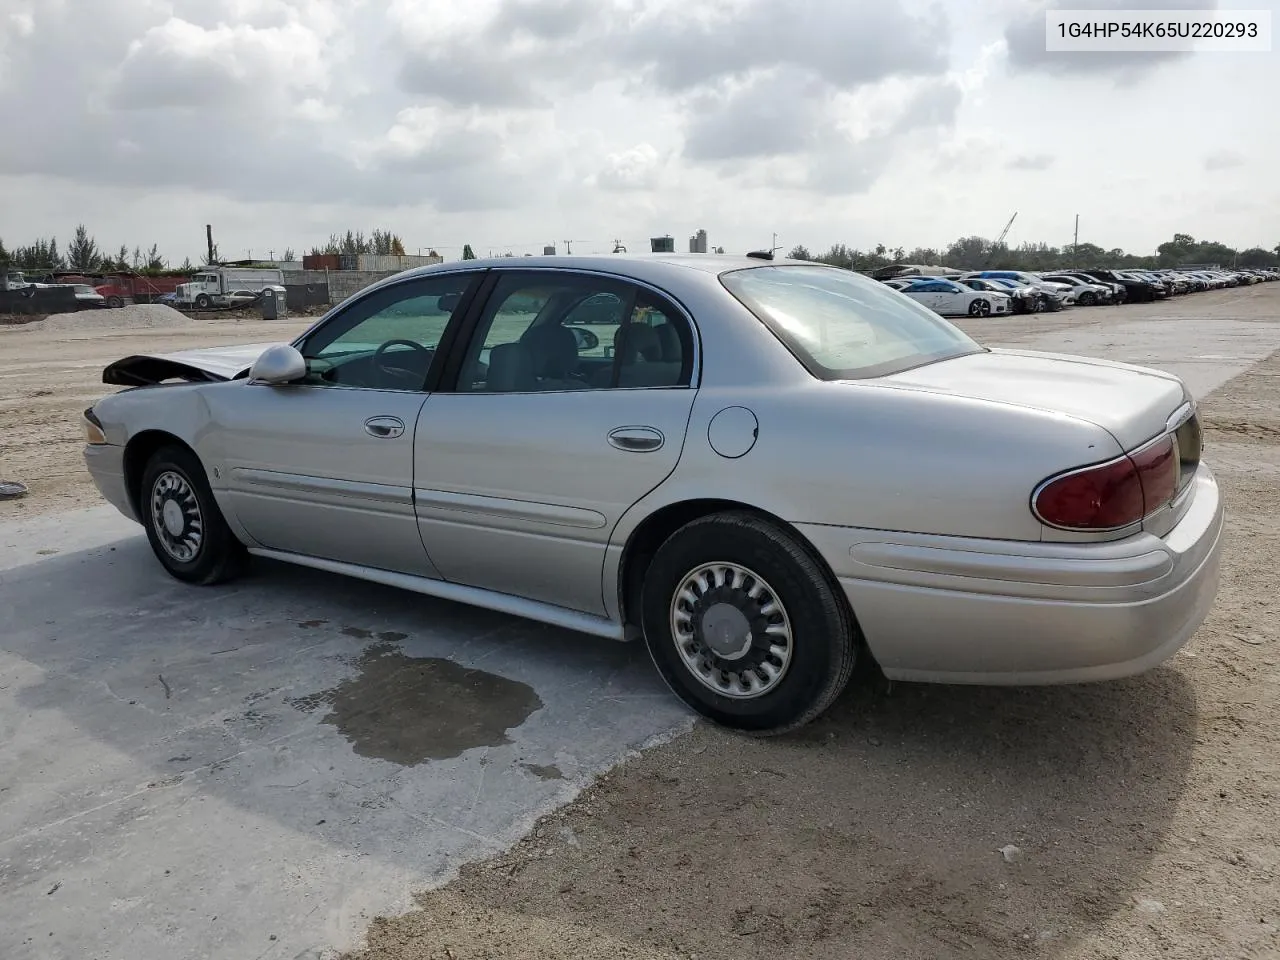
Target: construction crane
(1000, 239)
(1005, 232)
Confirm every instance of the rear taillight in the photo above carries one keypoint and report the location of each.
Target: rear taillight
(1113, 494)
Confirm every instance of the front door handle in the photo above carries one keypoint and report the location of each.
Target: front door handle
(384, 428)
(636, 439)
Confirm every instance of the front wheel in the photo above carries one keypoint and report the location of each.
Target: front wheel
(203, 302)
(115, 303)
(1088, 298)
(745, 625)
(980, 307)
(187, 531)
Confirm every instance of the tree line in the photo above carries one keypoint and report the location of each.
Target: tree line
(84, 255)
(381, 243)
(975, 253)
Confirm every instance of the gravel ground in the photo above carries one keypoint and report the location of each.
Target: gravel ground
(1133, 819)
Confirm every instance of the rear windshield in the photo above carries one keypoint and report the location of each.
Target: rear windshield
(844, 326)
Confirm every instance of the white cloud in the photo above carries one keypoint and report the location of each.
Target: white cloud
(637, 168)
(500, 120)
(179, 64)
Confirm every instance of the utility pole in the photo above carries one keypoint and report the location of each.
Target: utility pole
(1075, 244)
(775, 248)
(208, 235)
(568, 248)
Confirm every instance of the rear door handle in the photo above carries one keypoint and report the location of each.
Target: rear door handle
(636, 439)
(384, 428)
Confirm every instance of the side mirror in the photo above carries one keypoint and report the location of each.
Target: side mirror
(281, 363)
(586, 339)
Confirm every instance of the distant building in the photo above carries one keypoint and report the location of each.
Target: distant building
(665, 244)
(698, 242)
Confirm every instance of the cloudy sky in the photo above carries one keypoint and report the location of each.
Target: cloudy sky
(510, 124)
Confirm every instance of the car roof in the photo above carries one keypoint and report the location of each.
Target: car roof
(638, 266)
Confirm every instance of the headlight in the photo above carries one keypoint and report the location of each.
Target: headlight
(93, 432)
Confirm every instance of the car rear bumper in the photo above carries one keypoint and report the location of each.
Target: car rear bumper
(106, 465)
(948, 610)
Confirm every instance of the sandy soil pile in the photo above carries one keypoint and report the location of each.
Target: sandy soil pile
(135, 316)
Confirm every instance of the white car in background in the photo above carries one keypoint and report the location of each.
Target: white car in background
(950, 299)
(1060, 294)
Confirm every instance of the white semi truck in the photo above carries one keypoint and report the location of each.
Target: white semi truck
(223, 286)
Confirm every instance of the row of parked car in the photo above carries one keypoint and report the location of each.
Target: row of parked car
(982, 293)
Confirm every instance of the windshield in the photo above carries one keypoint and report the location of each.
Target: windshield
(843, 326)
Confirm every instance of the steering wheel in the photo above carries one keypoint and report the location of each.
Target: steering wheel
(403, 372)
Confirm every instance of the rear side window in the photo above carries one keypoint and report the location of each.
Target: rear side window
(841, 325)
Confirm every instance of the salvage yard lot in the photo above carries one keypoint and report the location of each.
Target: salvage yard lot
(256, 771)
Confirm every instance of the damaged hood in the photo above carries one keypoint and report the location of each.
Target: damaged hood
(207, 365)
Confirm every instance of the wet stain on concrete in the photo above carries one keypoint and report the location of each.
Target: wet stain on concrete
(360, 633)
(548, 772)
(412, 709)
(311, 624)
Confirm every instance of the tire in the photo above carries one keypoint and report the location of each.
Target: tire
(981, 307)
(749, 555)
(1088, 299)
(115, 302)
(203, 301)
(174, 476)
(1033, 305)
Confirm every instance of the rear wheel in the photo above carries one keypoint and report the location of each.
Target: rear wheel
(745, 625)
(187, 531)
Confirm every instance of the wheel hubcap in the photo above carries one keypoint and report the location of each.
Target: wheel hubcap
(175, 515)
(731, 630)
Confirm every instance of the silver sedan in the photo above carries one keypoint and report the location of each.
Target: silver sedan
(765, 469)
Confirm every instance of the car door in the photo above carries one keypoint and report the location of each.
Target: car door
(920, 291)
(526, 463)
(324, 467)
(952, 298)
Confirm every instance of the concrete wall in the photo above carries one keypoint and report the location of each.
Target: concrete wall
(342, 283)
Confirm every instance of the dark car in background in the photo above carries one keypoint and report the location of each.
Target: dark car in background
(1136, 289)
(1118, 292)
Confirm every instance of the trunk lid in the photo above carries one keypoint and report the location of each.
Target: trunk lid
(1132, 403)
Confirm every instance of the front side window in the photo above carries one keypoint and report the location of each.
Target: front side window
(842, 326)
(387, 340)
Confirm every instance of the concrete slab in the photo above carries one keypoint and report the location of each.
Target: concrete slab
(200, 772)
(1205, 352)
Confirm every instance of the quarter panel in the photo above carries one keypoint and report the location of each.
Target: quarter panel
(854, 455)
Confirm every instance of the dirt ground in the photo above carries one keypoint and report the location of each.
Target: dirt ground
(48, 378)
(1133, 819)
